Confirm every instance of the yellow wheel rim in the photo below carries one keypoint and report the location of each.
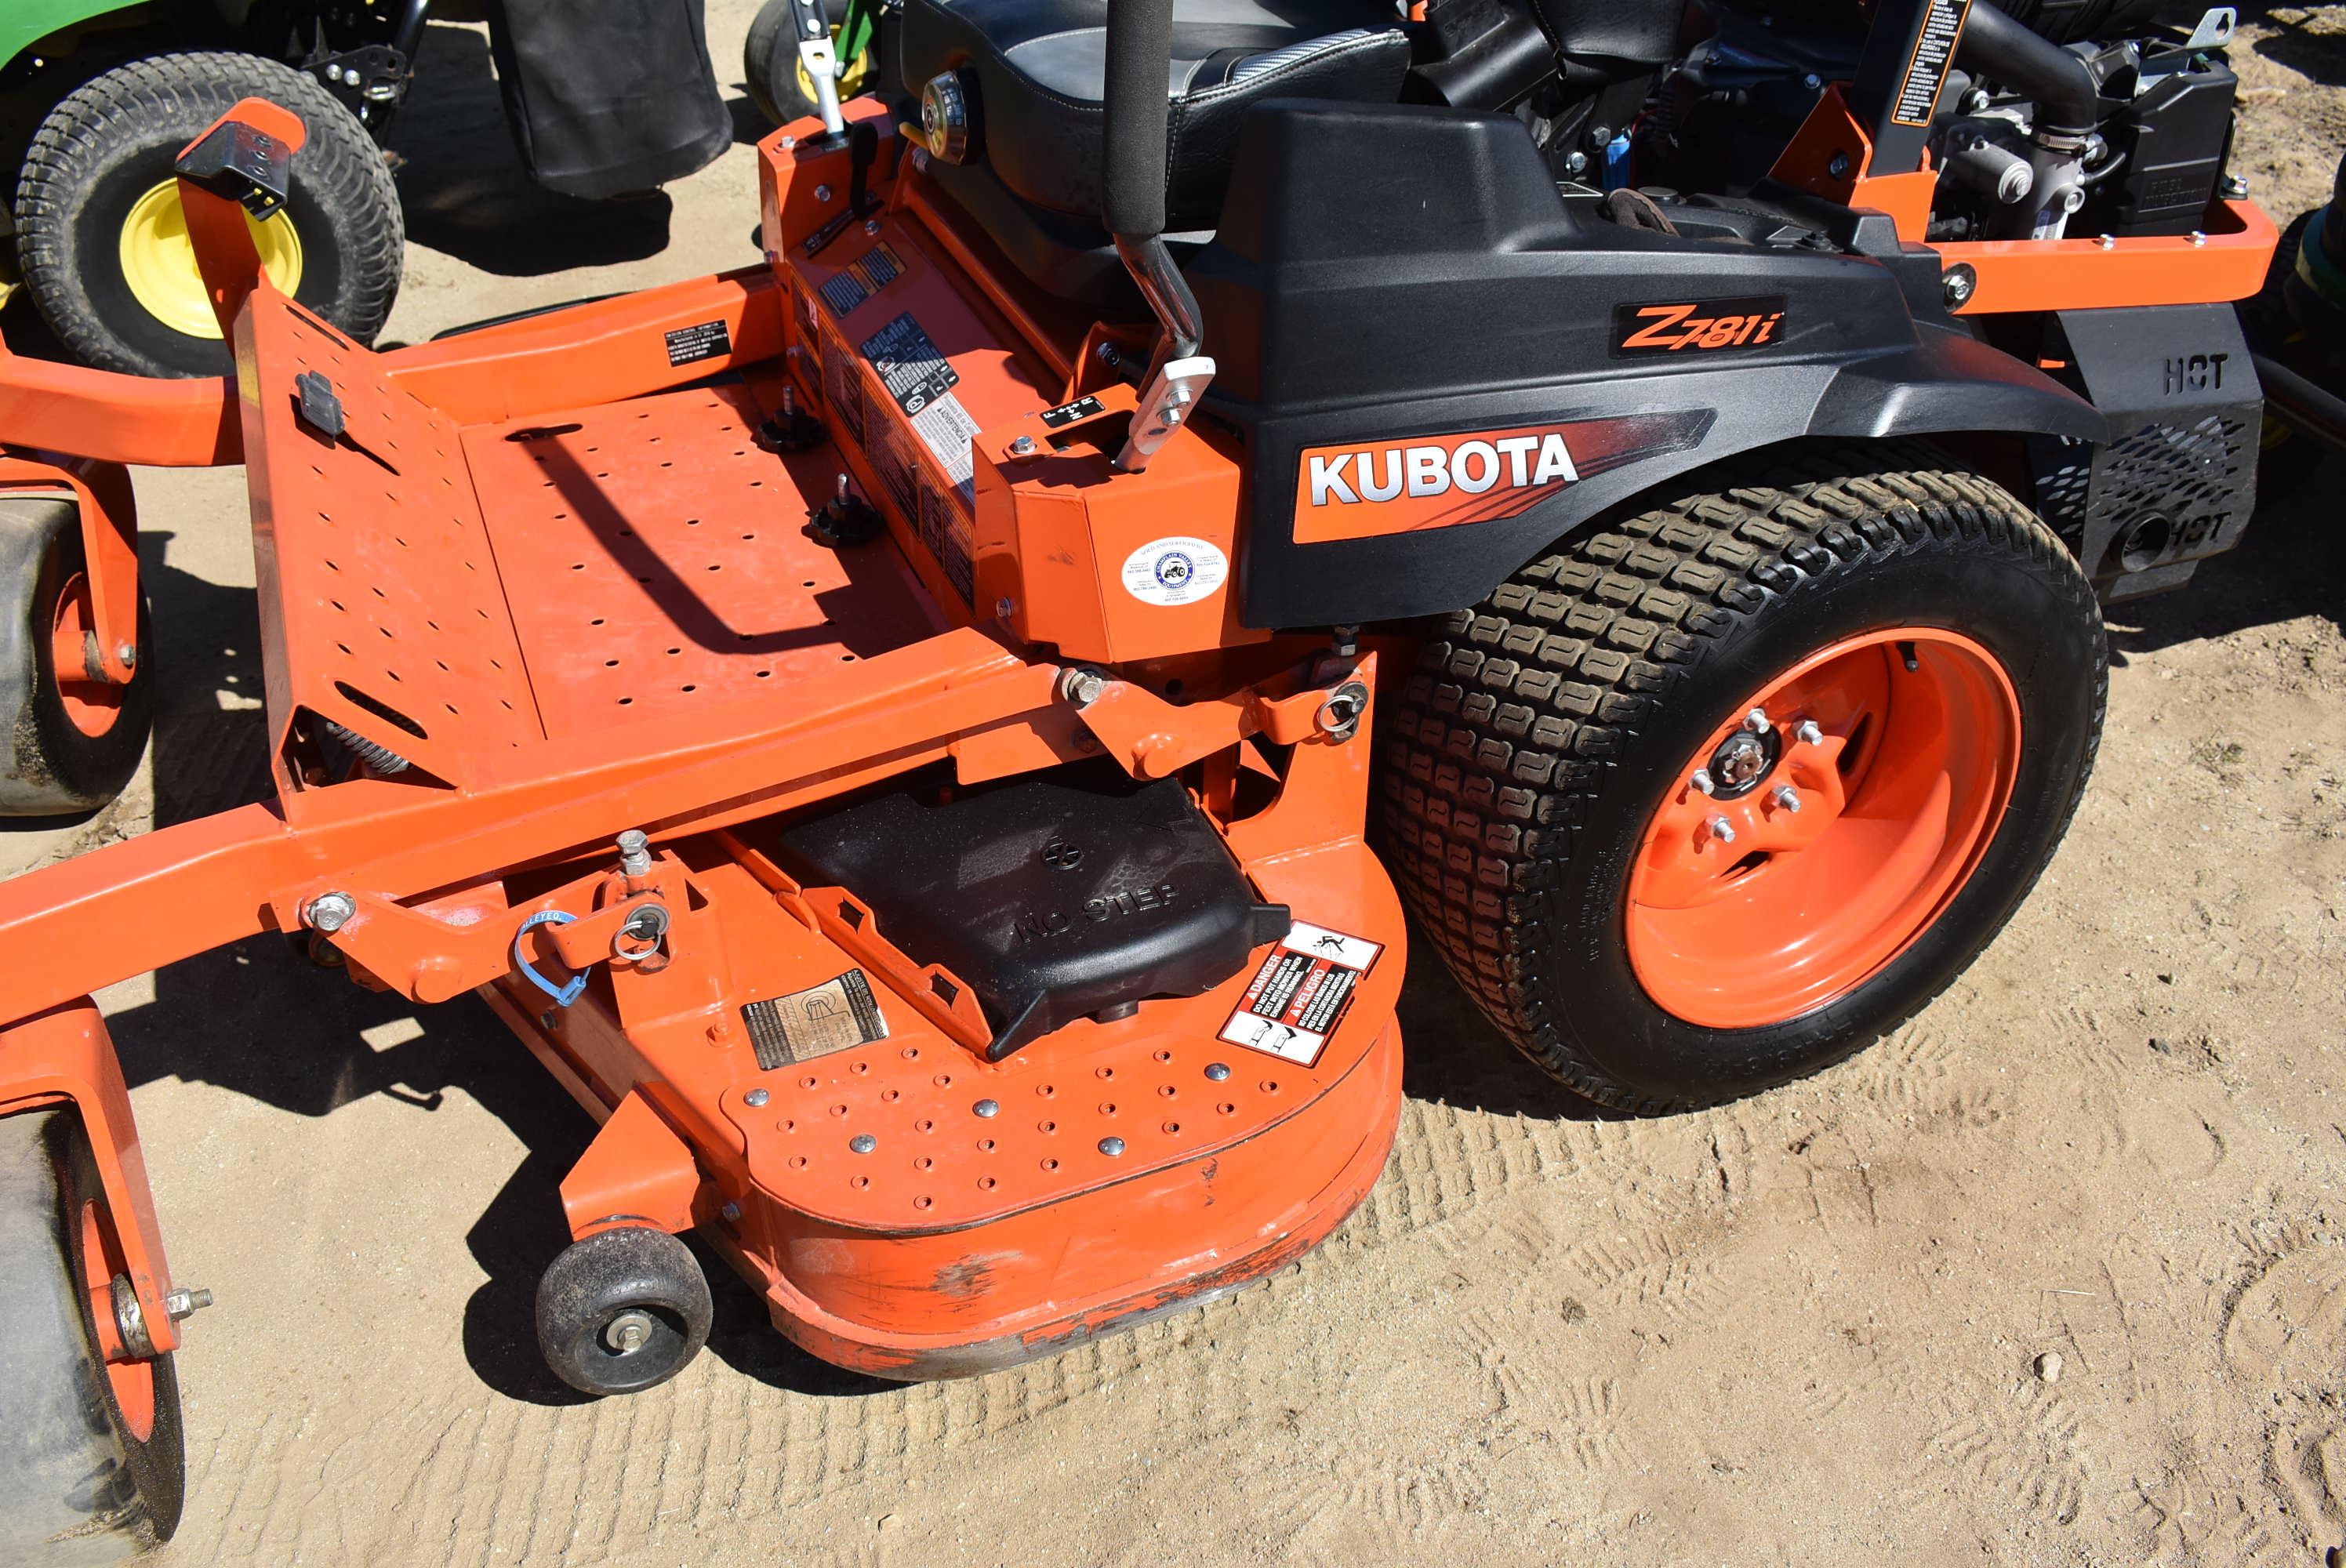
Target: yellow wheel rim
(851, 81)
(159, 260)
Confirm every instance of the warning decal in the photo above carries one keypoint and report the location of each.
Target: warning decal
(837, 1015)
(1302, 992)
(840, 387)
(1935, 45)
(945, 427)
(909, 365)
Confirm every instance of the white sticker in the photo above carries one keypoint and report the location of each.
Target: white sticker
(1302, 992)
(1175, 571)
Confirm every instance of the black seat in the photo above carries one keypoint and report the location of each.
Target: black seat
(1036, 66)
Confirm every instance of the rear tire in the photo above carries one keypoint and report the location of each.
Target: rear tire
(1545, 732)
(60, 750)
(77, 1484)
(108, 147)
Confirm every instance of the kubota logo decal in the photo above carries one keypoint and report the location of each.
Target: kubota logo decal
(1698, 326)
(1373, 488)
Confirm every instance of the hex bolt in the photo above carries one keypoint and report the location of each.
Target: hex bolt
(1702, 783)
(863, 1143)
(1023, 447)
(1787, 797)
(870, 226)
(1217, 1071)
(1081, 687)
(627, 1332)
(1721, 830)
(330, 911)
(635, 853)
(986, 1109)
(2106, 241)
(1109, 356)
(1111, 1147)
(1755, 722)
(183, 1303)
(129, 652)
(1005, 607)
(1810, 735)
(789, 142)
(1839, 166)
(2234, 186)
(2197, 239)
(822, 193)
(756, 1099)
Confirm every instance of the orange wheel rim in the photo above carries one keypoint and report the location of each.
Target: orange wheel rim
(90, 705)
(133, 1381)
(1849, 802)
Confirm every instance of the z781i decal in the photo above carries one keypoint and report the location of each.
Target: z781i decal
(1698, 326)
(1364, 489)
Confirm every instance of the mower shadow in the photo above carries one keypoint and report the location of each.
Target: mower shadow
(466, 195)
(2289, 564)
(1450, 1055)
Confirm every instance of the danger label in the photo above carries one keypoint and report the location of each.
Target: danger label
(861, 278)
(837, 1015)
(1302, 992)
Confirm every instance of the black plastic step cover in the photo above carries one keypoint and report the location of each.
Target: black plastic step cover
(1054, 897)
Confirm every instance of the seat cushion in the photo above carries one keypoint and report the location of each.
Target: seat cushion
(1037, 66)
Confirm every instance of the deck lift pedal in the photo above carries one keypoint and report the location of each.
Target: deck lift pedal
(896, 746)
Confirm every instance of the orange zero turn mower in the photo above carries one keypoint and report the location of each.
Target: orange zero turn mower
(928, 739)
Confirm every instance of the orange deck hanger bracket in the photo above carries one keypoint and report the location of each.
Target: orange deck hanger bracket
(240, 167)
(1830, 155)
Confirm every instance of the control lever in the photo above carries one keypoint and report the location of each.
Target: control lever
(820, 61)
(1178, 373)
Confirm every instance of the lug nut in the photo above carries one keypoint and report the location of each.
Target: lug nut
(1721, 830)
(1702, 783)
(1755, 722)
(1787, 797)
(1810, 735)
(628, 1331)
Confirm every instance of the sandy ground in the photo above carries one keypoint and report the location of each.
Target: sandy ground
(2055, 1275)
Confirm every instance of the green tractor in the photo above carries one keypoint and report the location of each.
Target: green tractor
(96, 99)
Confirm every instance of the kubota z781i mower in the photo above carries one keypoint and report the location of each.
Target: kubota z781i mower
(895, 731)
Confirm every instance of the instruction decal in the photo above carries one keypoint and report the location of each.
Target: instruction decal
(1302, 992)
(837, 1015)
(909, 365)
(1926, 71)
(704, 340)
(945, 427)
(841, 389)
(1178, 570)
(863, 278)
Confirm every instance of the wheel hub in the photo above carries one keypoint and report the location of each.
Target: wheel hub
(1824, 830)
(158, 259)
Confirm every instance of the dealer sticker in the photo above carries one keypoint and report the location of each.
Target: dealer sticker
(1175, 571)
(1302, 992)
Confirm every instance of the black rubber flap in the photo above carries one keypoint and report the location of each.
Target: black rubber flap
(1054, 897)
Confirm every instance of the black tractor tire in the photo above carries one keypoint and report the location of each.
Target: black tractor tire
(594, 1282)
(1542, 730)
(115, 138)
(50, 766)
(76, 1486)
(769, 67)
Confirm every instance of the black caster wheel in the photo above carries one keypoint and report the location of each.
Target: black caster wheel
(622, 1311)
